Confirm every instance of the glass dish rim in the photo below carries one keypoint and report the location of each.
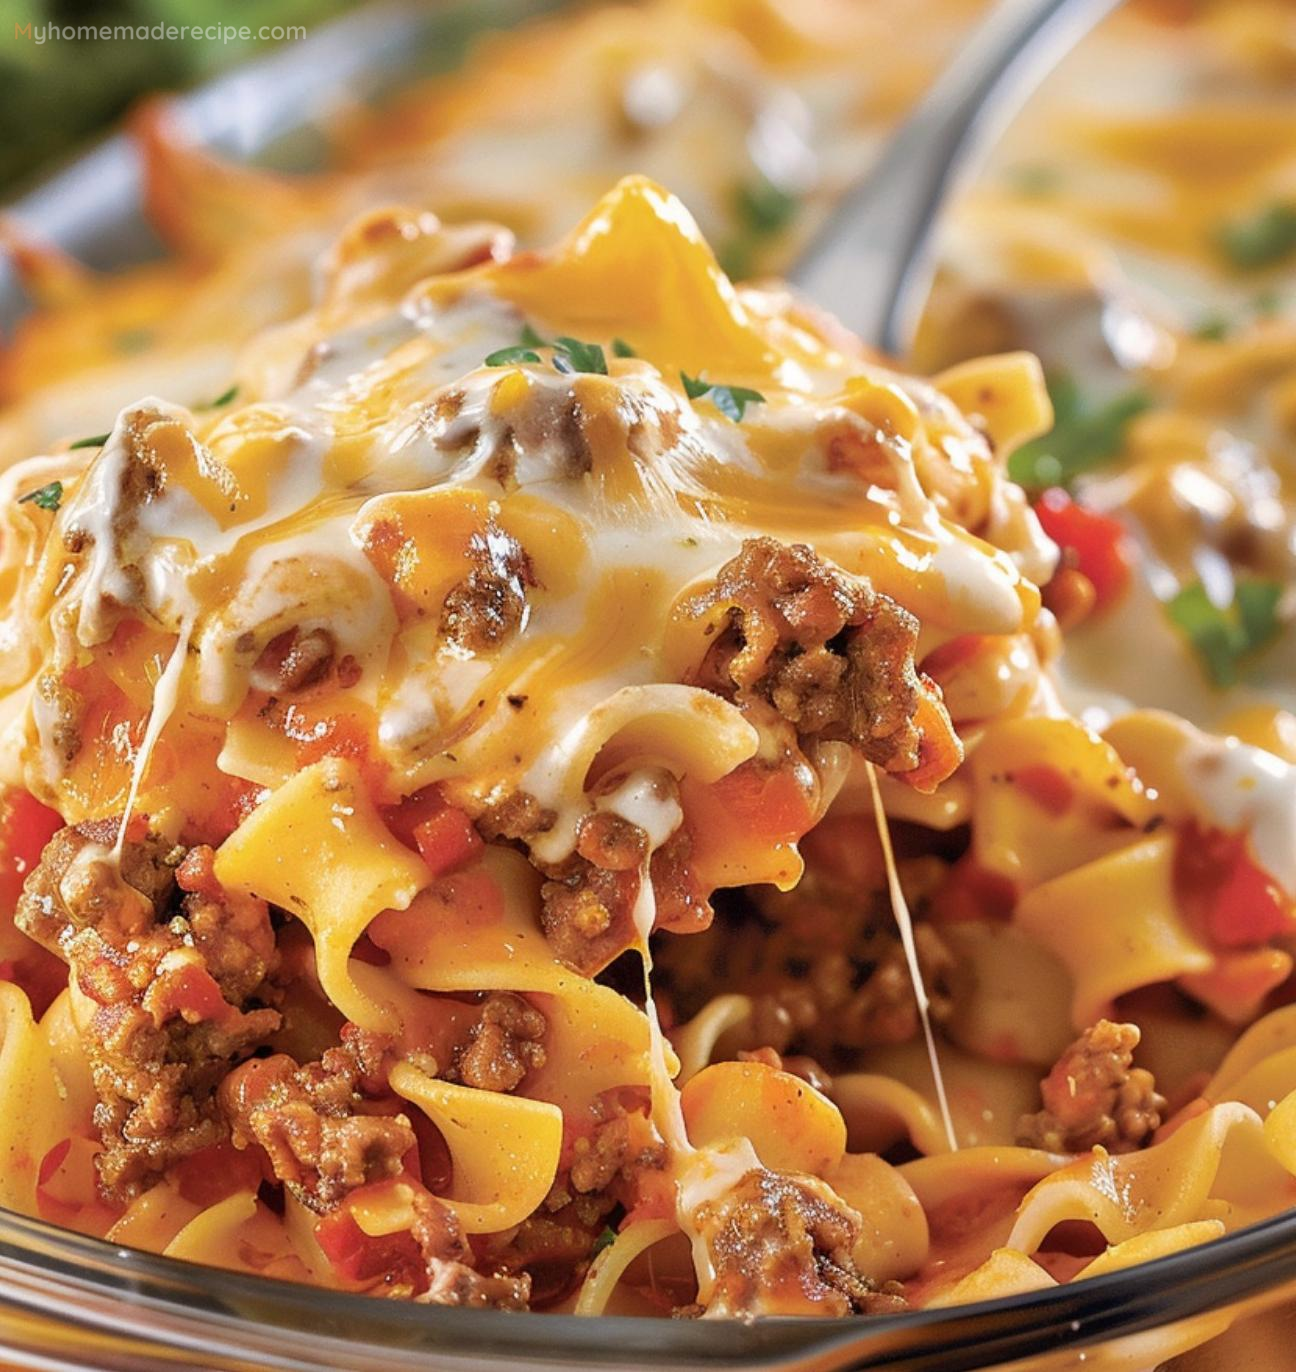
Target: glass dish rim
(1194, 1282)
(46, 1263)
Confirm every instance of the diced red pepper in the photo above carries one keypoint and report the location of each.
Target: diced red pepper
(1238, 903)
(1094, 544)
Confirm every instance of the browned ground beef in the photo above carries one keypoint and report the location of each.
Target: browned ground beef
(504, 1046)
(1094, 1095)
(482, 610)
(452, 1279)
(784, 1240)
(823, 964)
(587, 914)
(308, 1122)
(169, 984)
(827, 652)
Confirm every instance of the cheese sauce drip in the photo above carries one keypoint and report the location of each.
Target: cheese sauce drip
(166, 696)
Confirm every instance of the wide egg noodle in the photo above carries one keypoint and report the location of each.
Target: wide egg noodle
(318, 848)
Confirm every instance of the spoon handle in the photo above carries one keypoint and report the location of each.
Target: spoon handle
(871, 263)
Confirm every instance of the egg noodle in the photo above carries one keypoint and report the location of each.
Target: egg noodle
(568, 783)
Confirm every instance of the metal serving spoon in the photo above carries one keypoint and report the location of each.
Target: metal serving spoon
(871, 264)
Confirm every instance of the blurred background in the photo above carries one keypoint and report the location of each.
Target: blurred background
(55, 95)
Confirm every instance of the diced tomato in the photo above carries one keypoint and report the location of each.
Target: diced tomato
(1094, 544)
(1237, 902)
(448, 841)
(769, 803)
(26, 826)
(360, 1257)
(444, 836)
(744, 826)
(210, 1175)
(317, 733)
(193, 993)
(969, 892)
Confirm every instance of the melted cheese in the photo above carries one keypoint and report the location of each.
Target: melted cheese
(904, 922)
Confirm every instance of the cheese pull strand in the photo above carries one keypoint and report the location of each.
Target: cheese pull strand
(904, 921)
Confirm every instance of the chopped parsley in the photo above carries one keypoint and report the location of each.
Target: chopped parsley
(569, 354)
(731, 401)
(1265, 239)
(95, 441)
(223, 399)
(1083, 436)
(620, 348)
(504, 357)
(762, 210)
(572, 355)
(47, 497)
(1223, 636)
(694, 387)
(605, 1240)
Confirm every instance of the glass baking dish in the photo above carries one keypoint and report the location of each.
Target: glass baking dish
(68, 1301)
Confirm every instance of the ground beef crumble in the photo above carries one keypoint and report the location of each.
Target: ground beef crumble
(784, 1242)
(309, 1123)
(504, 1045)
(827, 652)
(169, 981)
(448, 1260)
(1094, 1096)
(483, 609)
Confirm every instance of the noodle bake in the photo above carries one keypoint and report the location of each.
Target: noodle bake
(553, 792)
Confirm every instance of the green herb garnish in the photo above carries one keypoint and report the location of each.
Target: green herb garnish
(223, 399)
(694, 387)
(605, 1240)
(762, 210)
(1082, 437)
(1212, 328)
(620, 348)
(570, 354)
(573, 355)
(47, 497)
(1267, 238)
(731, 401)
(504, 357)
(1222, 636)
(95, 441)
